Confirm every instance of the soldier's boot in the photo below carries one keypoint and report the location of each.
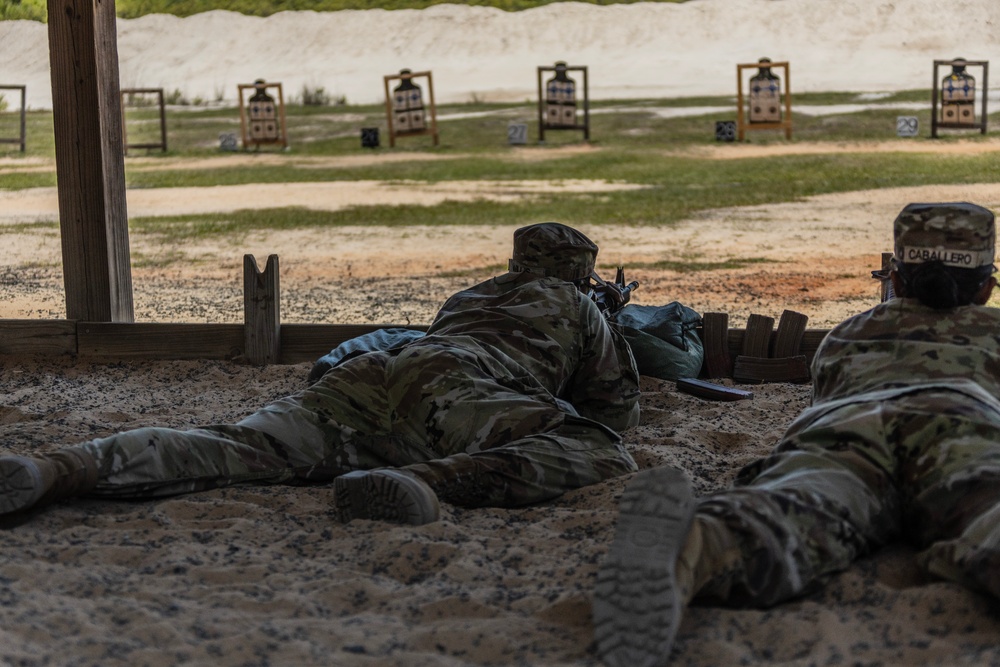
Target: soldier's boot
(411, 494)
(640, 594)
(32, 482)
(662, 557)
(385, 494)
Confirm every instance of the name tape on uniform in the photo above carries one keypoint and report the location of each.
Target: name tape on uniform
(965, 259)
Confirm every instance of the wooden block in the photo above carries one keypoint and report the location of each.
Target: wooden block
(715, 336)
(712, 391)
(261, 312)
(757, 340)
(755, 370)
(791, 328)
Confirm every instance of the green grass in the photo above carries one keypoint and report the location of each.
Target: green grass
(630, 144)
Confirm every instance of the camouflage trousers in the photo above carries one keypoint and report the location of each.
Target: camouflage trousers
(924, 467)
(460, 420)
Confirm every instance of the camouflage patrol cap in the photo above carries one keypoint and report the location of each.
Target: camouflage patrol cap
(957, 234)
(553, 249)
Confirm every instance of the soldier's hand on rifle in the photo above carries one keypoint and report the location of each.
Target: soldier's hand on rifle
(610, 297)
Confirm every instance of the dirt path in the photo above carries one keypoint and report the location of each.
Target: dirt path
(813, 256)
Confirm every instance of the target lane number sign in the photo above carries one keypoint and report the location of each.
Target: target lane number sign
(906, 126)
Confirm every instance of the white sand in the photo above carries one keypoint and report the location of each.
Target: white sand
(633, 51)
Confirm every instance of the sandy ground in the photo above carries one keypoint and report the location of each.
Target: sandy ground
(264, 575)
(813, 256)
(640, 50)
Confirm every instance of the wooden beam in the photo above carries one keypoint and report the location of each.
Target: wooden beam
(90, 167)
(261, 311)
(299, 342)
(43, 337)
(160, 341)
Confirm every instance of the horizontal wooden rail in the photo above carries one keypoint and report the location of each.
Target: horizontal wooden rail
(130, 341)
(42, 337)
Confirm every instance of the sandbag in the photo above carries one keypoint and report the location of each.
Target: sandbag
(664, 339)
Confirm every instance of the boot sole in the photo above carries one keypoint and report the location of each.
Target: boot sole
(637, 601)
(21, 484)
(385, 495)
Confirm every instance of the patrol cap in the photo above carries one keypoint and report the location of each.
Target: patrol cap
(956, 234)
(553, 249)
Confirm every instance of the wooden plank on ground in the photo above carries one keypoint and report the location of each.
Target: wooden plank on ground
(159, 340)
(41, 337)
(299, 342)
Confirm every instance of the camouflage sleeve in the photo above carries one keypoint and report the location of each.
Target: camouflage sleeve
(605, 386)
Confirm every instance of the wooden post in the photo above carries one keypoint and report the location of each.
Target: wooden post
(261, 311)
(128, 93)
(90, 165)
(20, 138)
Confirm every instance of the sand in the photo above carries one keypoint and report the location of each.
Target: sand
(632, 51)
(265, 575)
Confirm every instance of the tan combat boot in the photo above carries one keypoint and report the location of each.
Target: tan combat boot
(36, 481)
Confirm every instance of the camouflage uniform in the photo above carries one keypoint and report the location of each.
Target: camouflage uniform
(514, 396)
(902, 441)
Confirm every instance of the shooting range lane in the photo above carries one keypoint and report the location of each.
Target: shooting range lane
(813, 256)
(41, 204)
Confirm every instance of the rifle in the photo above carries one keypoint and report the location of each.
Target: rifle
(611, 297)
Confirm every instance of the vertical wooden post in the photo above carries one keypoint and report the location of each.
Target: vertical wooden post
(90, 165)
(388, 111)
(541, 109)
(434, 119)
(24, 133)
(261, 311)
(788, 103)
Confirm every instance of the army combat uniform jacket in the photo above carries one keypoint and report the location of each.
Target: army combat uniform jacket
(514, 396)
(902, 441)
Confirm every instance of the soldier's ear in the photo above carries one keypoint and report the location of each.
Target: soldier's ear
(984, 293)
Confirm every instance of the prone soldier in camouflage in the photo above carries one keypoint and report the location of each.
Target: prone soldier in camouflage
(514, 396)
(902, 441)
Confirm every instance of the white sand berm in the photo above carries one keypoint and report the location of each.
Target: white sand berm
(632, 51)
